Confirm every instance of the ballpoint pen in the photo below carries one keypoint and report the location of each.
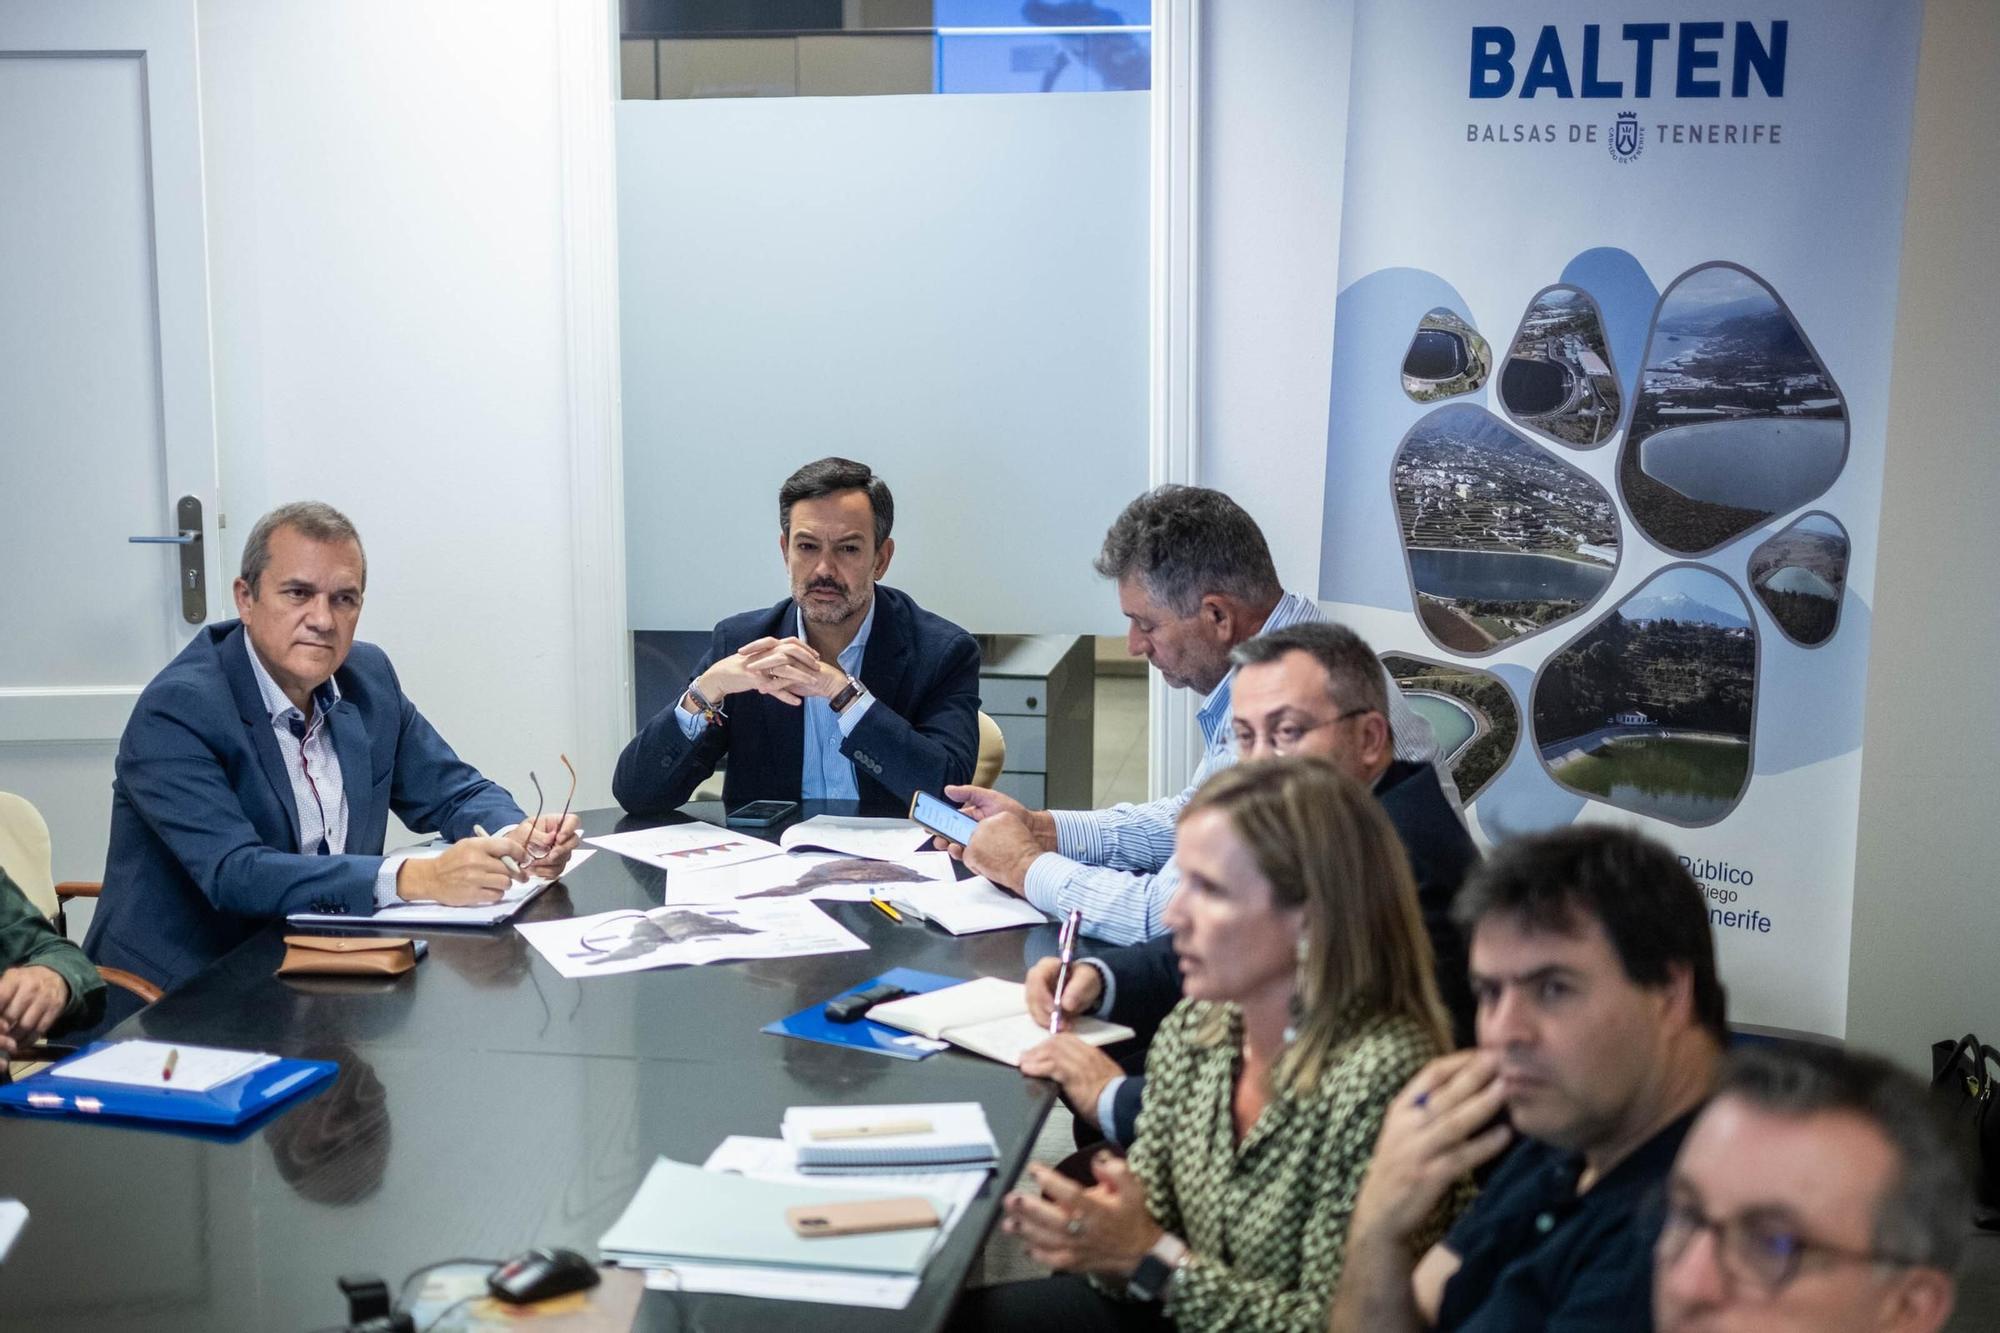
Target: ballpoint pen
(479, 830)
(173, 1058)
(1066, 941)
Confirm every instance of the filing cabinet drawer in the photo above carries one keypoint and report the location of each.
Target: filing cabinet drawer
(1030, 789)
(1013, 694)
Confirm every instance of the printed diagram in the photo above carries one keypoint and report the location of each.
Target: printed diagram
(847, 870)
(1799, 576)
(1471, 713)
(1558, 378)
(646, 933)
(1446, 357)
(1651, 709)
(1502, 537)
(1736, 421)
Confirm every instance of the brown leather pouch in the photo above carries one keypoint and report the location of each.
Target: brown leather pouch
(347, 956)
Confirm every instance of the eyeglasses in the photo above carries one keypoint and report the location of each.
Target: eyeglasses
(1757, 1248)
(1285, 737)
(537, 853)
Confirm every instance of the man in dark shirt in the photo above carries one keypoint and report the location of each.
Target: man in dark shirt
(1308, 689)
(46, 984)
(1601, 1024)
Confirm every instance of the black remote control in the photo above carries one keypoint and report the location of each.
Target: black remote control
(849, 1008)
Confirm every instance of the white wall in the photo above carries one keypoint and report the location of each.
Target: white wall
(951, 289)
(1927, 908)
(1927, 911)
(387, 245)
(1273, 144)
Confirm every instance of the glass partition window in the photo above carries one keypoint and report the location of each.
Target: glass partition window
(834, 48)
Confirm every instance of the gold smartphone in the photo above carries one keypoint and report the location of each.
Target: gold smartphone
(859, 1217)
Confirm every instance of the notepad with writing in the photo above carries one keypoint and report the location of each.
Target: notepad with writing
(918, 1135)
(988, 1017)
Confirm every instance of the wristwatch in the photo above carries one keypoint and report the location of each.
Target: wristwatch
(848, 694)
(1156, 1271)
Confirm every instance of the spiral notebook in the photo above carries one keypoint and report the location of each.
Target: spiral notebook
(927, 1136)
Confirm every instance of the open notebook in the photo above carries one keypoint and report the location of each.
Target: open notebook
(988, 1017)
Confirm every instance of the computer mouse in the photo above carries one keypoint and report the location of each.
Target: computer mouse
(540, 1274)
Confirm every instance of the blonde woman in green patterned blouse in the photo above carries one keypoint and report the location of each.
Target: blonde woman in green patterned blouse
(1310, 1001)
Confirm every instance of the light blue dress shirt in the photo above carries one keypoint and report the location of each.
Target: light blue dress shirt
(825, 773)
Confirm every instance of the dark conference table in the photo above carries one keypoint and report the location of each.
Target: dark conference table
(485, 1105)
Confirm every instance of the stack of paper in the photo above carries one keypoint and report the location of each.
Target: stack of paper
(963, 907)
(771, 1160)
(683, 1213)
(857, 835)
(988, 1017)
(145, 1064)
(918, 1136)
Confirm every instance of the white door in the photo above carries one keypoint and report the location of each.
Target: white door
(106, 411)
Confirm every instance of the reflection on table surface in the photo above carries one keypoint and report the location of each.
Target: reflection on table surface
(485, 1104)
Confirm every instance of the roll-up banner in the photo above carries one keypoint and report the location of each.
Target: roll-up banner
(1607, 419)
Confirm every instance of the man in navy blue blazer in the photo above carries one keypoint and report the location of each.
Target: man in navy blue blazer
(1308, 689)
(257, 772)
(846, 690)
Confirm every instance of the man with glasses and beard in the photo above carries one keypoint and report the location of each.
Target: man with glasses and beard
(847, 690)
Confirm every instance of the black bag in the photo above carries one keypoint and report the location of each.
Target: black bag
(1963, 1083)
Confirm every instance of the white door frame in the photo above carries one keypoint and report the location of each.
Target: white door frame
(1173, 741)
(587, 59)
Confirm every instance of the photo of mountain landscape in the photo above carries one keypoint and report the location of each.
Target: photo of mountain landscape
(1799, 576)
(1472, 714)
(1651, 709)
(1557, 379)
(1736, 419)
(1502, 538)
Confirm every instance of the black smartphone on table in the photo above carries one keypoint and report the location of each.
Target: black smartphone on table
(762, 814)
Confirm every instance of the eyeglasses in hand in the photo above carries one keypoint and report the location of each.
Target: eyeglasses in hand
(534, 825)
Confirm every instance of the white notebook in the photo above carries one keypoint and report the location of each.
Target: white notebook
(957, 1136)
(963, 907)
(988, 1017)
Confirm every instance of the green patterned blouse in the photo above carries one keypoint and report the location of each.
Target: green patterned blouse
(1265, 1219)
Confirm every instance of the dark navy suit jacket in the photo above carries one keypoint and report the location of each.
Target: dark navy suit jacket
(204, 828)
(1146, 977)
(921, 732)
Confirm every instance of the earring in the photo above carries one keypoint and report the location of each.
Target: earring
(1295, 1010)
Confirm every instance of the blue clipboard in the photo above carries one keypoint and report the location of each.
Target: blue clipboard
(811, 1023)
(222, 1107)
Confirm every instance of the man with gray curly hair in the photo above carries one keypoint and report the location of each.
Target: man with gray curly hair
(1195, 579)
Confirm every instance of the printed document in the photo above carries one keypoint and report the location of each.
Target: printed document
(676, 935)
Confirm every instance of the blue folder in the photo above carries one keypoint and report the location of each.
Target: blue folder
(812, 1024)
(221, 1107)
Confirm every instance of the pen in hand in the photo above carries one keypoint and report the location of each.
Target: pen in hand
(1067, 942)
(479, 830)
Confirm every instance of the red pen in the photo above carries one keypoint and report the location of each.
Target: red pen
(173, 1058)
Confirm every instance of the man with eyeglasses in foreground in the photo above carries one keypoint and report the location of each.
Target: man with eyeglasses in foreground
(1308, 689)
(1601, 1025)
(258, 769)
(1816, 1193)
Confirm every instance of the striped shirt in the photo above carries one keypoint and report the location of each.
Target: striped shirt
(319, 792)
(1117, 864)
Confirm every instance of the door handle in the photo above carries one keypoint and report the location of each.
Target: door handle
(193, 577)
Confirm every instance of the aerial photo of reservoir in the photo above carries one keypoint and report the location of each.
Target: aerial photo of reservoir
(1799, 575)
(1447, 357)
(1503, 538)
(1736, 419)
(1651, 709)
(1472, 713)
(1558, 378)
